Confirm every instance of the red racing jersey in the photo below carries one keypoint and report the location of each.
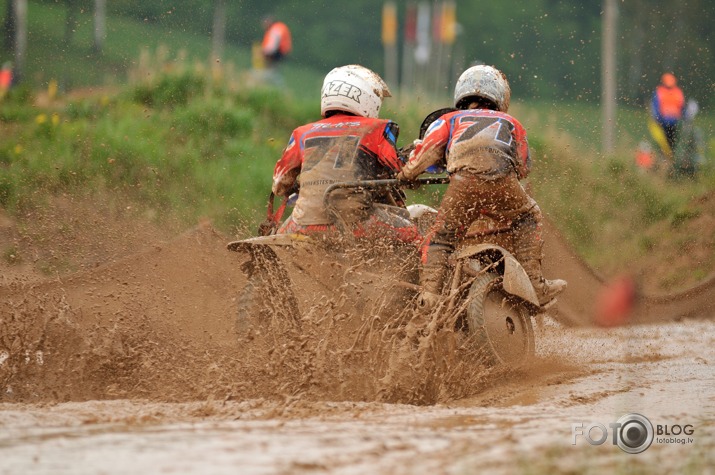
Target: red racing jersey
(340, 148)
(482, 141)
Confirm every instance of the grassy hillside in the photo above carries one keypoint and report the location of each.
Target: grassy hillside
(80, 66)
(176, 143)
(182, 146)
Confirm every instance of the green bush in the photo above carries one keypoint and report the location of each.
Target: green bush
(170, 90)
(19, 95)
(86, 109)
(683, 215)
(214, 117)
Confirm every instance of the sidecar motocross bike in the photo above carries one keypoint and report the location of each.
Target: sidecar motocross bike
(487, 290)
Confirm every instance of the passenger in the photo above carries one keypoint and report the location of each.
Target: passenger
(350, 143)
(485, 150)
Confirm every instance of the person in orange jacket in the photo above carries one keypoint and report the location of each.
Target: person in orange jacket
(667, 106)
(5, 78)
(277, 41)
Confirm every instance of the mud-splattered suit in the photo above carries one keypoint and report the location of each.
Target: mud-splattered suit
(487, 153)
(342, 148)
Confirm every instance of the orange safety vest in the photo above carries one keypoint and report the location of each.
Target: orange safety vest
(277, 40)
(670, 102)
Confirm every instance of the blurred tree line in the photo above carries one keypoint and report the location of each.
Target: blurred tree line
(550, 49)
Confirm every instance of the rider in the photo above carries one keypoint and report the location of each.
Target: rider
(350, 143)
(486, 154)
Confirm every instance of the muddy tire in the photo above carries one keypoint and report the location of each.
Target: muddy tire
(499, 323)
(266, 301)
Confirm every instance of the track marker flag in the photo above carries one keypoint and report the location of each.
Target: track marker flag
(449, 22)
(389, 24)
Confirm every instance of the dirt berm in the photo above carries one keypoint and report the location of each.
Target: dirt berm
(578, 305)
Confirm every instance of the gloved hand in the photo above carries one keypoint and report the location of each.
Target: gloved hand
(405, 182)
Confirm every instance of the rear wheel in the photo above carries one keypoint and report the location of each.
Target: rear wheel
(499, 323)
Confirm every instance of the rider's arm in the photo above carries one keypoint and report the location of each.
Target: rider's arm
(429, 151)
(287, 169)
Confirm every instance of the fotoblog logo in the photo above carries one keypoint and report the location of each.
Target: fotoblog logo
(633, 433)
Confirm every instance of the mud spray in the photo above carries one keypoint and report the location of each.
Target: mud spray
(167, 324)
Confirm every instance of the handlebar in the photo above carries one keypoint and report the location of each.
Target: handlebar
(384, 183)
(372, 184)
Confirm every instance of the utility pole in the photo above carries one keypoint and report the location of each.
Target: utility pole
(20, 37)
(408, 52)
(100, 24)
(608, 75)
(218, 33)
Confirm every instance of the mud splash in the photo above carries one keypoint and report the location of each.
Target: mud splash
(162, 325)
(140, 365)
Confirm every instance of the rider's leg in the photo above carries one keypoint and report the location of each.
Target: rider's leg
(458, 209)
(434, 269)
(504, 199)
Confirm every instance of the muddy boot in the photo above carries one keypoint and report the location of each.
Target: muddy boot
(432, 276)
(547, 290)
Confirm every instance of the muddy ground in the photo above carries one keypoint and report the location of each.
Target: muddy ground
(133, 363)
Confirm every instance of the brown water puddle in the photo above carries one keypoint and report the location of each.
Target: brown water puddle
(520, 423)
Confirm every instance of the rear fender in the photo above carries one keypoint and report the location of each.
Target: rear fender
(515, 279)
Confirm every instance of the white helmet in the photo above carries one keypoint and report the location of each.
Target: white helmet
(483, 81)
(355, 89)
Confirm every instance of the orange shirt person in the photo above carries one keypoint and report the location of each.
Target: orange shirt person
(277, 42)
(667, 106)
(5, 79)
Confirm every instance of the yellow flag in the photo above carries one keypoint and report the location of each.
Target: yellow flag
(449, 22)
(658, 134)
(389, 24)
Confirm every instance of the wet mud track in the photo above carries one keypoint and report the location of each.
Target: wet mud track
(521, 423)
